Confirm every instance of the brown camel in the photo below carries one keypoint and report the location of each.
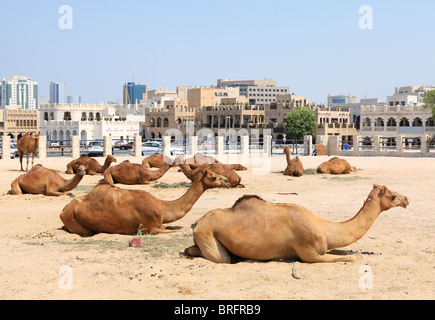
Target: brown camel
(336, 166)
(294, 166)
(260, 230)
(40, 180)
(219, 168)
(133, 173)
(156, 160)
(92, 165)
(27, 145)
(200, 159)
(109, 209)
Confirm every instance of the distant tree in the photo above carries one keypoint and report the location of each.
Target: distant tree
(299, 123)
(429, 102)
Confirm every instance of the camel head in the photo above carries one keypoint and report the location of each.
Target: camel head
(239, 167)
(210, 179)
(286, 150)
(81, 170)
(110, 158)
(353, 169)
(388, 199)
(35, 136)
(169, 161)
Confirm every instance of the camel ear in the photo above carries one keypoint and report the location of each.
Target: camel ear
(377, 186)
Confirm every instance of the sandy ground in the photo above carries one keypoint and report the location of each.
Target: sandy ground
(395, 259)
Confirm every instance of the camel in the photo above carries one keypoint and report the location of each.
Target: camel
(27, 145)
(108, 209)
(294, 166)
(40, 180)
(219, 168)
(260, 230)
(200, 159)
(133, 173)
(336, 166)
(92, 165)
(156, 160)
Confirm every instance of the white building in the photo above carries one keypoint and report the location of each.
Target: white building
(410, 95)
(20, 91)
(90, 121)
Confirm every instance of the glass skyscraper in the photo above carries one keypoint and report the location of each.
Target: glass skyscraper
(135, 93)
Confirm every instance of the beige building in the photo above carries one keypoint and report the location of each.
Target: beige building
(15, 121)
(199, 97)
(173, 115)
(231, 116)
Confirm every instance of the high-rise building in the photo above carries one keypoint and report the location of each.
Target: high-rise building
(74, 99)
(57, 92)
(21, 91)
(259, 92)
(135, 93)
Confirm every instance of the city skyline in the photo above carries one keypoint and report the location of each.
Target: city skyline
(315, 49)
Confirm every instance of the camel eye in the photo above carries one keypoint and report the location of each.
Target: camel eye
(394, 197)
(214, 178)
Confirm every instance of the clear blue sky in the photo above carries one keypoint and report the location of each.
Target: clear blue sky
(313, 47)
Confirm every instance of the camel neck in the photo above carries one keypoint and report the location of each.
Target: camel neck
(105, 166)
(72, 183)
(177, 209)
(157, 174)
(287, 156)
(343, 234)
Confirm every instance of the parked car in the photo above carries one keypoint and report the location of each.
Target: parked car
(14, 152)
(118, 144)
(149, 148)
(127, 146)
(96, 148)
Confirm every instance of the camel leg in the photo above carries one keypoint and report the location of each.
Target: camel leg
(211, 249)
(15, 188)
(33, 158)
(69, 169)
(27, 157)
(72, 225)
(163, 230)
(54, 193)
(193, 251)
(21, 154)
(314, 257)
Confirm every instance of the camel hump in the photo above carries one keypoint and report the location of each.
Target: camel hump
(84, 155)
(245, 198)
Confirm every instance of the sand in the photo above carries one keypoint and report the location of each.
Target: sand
(395, 259)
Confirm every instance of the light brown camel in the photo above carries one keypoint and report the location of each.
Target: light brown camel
(92, 165)
(156, 160)
(27, 145)
(40, 180)
(294, 166)
(219, 168)
(260, 230)
(133, 173)
(109, 209)
(200, 159)
(336, 166)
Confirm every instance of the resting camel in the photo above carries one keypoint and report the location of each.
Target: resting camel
(27, 145)
(40, 180)
(199, 160)
(109, 209)
(336, 166)
(156, 160)
(133, 173)
(92, 165)
(294, 166)
(260, 230)
(219, 168)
